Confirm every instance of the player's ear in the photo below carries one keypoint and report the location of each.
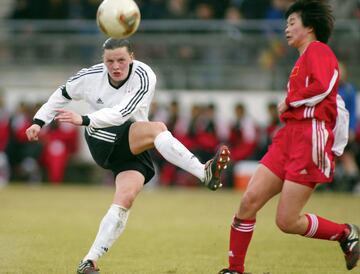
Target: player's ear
(311, 30)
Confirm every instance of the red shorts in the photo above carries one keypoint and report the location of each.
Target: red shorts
(301, 152)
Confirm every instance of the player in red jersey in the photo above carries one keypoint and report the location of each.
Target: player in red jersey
(302, 153)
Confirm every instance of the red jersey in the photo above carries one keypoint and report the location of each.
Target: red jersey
(313, 85)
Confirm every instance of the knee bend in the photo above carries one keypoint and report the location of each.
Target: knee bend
(127, 199)
(285, 224)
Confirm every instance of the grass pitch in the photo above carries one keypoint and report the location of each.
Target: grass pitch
(174, 231)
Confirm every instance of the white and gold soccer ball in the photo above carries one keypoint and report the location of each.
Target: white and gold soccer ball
(118, 18)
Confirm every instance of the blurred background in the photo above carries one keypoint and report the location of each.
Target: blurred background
(222, 66)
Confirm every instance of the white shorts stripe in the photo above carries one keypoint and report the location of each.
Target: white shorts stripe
(320, 136)
(99, 136)
(103, 133)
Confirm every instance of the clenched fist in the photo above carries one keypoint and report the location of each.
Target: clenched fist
(32, 132)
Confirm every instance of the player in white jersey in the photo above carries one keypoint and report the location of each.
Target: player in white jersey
(119, 135)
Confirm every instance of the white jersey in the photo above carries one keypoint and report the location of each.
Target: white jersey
(112, 106)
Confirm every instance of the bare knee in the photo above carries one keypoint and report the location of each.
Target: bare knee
(286, 224)
(126, 198)
(158, 127)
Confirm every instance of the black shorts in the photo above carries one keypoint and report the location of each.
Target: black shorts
(110, 149)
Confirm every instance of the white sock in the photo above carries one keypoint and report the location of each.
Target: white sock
(111, 226)
(177, 154)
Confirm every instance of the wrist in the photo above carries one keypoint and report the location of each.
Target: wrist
(38, 122)
(85, 120)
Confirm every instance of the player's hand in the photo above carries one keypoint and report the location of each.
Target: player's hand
(282, 106)
(32, 132)
(68, 116)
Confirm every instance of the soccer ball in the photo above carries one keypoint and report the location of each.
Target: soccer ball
(118, 18)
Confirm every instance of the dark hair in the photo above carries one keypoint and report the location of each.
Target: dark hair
(113, 43)
(315, 14)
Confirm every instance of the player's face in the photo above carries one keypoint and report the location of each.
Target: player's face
(117, 62)
(296, 34)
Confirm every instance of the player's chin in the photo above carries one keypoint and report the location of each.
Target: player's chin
(117, 77)
(291, 43)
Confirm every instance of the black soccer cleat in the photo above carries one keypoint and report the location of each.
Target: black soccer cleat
(350, 246)
(87, 267)
(215, 166)
(228, 271)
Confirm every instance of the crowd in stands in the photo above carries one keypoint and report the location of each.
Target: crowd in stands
(247, 140)
(201, 131)
(46, 160)
(233, 10)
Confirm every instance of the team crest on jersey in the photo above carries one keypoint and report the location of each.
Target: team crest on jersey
(294, 71)
(99, 101)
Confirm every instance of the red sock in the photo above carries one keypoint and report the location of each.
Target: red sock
(240, 236)
(320, 228)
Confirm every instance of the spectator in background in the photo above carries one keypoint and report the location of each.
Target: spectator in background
(251, 9)
(243, 139)
(170, 174)
(348, 9)
(90, 8)
(347, 161)
(207, 136)
(21, 10)
(277, 9)
(194, 125)
(273, 124)
(57, 9)
(24, 157)
(177, 9)
(4, 138)
(208, 9)
(153, 9)
(233, 15)
(270, 56)
(29, 9)
(204, 11)
(60, 142)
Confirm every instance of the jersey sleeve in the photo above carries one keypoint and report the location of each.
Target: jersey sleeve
(76, 84)
(322, 75)
(73, 89)
(139, 96)
(57, 100)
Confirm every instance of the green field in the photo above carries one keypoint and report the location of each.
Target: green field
(183, 231)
